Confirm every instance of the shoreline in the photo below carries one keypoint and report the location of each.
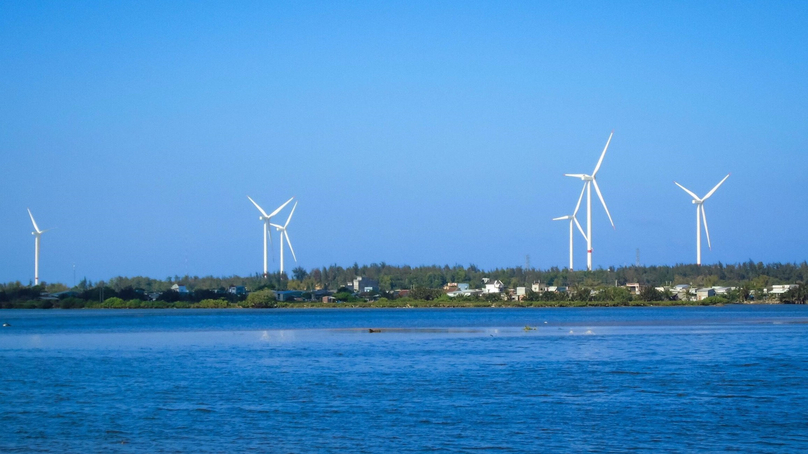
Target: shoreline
(422, 305)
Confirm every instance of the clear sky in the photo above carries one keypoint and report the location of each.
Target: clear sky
(410, 132)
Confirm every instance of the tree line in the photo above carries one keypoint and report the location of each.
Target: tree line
(425, 282)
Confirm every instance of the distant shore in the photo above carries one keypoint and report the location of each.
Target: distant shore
(395, 304)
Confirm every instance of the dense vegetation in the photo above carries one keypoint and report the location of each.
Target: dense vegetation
(597, 287)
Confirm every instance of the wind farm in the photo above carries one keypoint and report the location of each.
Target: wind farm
(452, 293)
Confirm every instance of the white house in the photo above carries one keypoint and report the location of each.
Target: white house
(538, 287)
(495, 286)
(780, 289)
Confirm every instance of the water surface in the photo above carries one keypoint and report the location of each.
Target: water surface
(457, 380)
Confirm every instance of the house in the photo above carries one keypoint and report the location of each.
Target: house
(495, 286)
(329, 299)
(703, 293)
(319, 294)
(521, 292)
(682, 291)
(237, 290)
(365, 285)
(179, 289)
(463, 286)
(634, 288)
(556, 289)
(780, 289)
(538, 287)
(722, 290)
(288, 295)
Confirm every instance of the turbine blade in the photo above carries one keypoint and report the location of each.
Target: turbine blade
(562, 218)
(259, 208)
(580, 197)
(279, 227)
(706, 230)
(580, 229)
(280, 208)
(695, 197)
(600, 161)
(33, 221)
(716, 187)
(290, 216)
(600, 196)
(574, 175)
(286, 234)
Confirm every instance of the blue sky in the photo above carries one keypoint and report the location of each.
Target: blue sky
(410, 132)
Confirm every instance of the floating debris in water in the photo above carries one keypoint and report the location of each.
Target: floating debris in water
(530, 328)
(371, 330)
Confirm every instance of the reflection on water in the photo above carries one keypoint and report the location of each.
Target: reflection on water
(644, 379)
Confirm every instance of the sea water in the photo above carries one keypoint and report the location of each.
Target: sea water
(685, 379)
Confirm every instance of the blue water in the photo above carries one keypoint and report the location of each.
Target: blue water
(688, 379)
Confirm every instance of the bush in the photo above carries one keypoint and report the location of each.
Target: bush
(72, 303)
(261, 298)
(114, 302)
(651, 294)
(211, 304)
(710, 300)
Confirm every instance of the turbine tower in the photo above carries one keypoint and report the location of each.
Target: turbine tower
(589, 181)
(37, 234)
(266, 219)
(574, 220)
(284, 233)
(700, 214)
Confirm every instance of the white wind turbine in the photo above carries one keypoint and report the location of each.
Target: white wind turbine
(284, 233)
(589, 180)
(37, 234)
(573, 220)
(700, 214)
(266, 218)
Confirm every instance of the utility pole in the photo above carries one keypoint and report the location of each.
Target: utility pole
(638, 257)
(527, 262)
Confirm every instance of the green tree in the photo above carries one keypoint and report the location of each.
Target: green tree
(261, 299)
(649, 293)
(300, 273)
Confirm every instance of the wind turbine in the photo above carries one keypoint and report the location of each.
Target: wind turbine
(283, 231)
(37, 234)
(590, 180)
(266, 218)
(574, 220)
(700, 214)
